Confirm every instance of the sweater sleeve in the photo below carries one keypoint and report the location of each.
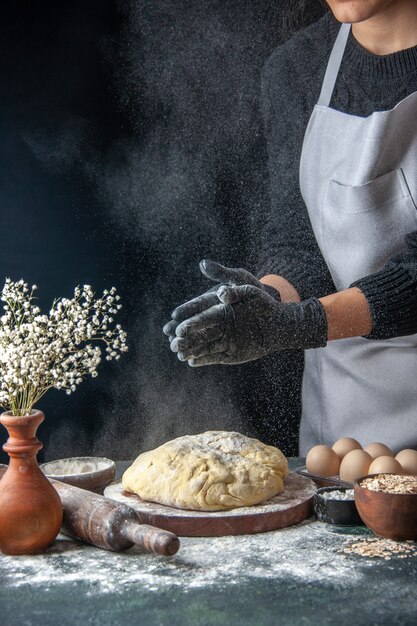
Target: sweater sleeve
(288, 246)
(392, 294)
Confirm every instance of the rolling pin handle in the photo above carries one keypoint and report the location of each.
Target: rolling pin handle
(110, 525)
(151, 538)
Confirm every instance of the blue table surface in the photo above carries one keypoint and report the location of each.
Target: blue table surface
(298, 575)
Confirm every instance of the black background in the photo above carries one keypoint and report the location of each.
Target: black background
(132, 147)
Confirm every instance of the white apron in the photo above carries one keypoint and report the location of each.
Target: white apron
(358, 178)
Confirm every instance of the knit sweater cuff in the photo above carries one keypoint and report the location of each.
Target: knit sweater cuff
(392, 298)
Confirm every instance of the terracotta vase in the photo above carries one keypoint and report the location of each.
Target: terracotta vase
(30, 508)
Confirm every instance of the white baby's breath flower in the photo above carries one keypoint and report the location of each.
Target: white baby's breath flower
(38, 352)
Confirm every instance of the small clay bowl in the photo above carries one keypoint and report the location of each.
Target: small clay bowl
(92, 473)
(390, 515)
(334, 511)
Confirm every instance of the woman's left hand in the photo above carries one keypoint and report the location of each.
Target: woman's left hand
(248, 324)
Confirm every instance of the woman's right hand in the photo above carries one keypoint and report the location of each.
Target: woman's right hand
(220, 274)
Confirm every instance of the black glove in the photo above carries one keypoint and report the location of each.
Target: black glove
(247, 324)
(219, 274)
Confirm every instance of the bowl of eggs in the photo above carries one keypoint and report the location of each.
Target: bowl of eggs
(346, 461)
(387, 503)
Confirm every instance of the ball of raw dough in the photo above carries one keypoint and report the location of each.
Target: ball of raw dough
(213, 471)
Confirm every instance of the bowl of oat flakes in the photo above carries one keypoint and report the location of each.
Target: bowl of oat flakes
(387, 503)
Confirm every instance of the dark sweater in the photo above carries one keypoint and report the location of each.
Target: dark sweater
(291, 84)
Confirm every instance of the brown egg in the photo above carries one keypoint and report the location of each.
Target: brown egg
(378, 449)
(355, 465)
(344, 445)
(385, 464)
(322, 461)
(408, 460)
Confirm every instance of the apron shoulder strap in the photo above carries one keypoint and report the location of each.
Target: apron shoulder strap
(333, 65)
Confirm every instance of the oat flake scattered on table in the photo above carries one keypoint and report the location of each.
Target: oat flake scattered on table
(375, 547)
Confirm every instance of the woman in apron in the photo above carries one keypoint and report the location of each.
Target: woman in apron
(341, 279)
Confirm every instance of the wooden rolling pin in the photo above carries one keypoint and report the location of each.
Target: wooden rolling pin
(107, 524)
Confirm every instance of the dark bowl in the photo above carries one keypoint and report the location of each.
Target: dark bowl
(341, 512)
(86, 472)
(390, 515)
(324, 481)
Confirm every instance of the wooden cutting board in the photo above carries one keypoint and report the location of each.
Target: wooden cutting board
(290, 507)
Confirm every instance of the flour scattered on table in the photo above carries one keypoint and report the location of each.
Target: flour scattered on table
(304, 553)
